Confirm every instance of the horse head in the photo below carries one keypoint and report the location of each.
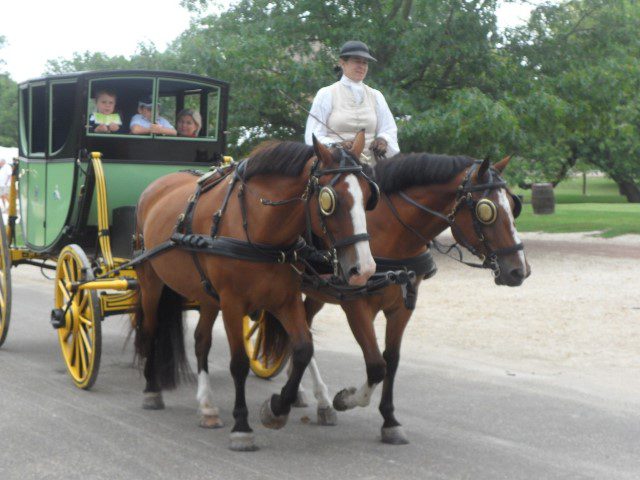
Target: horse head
(484, 215)
(342, 194)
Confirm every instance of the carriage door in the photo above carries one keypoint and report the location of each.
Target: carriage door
(33, 167)
(61, 157)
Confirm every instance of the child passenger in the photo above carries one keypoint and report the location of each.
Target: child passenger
(105, 119)
(141, 122)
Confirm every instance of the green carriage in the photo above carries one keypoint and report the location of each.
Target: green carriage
(74, 190)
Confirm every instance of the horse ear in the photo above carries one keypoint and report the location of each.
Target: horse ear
(484, 166)
(358, 144)
(322, 152)
(501, 165)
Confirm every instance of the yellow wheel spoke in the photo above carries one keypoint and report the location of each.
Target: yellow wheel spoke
(83, 358)
(252, 330)
(264, 354)
(256, 345)
(83, 302)
(2, 302)
(85, 341)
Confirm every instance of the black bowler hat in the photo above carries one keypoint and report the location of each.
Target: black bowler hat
(354, 48)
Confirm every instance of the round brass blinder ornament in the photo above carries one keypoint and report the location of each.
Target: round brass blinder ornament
(486, 211)
(328, 201)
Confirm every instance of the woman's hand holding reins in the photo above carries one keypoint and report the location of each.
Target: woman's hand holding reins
(379, 147)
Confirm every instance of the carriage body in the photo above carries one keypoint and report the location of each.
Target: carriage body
(57, 204)
(74, 191)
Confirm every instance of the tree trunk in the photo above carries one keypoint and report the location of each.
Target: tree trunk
(629, 189)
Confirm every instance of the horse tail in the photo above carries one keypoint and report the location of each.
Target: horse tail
(169, 351)
(276, 339)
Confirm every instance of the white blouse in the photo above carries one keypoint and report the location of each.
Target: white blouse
(321, 110)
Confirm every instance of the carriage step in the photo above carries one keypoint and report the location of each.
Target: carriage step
(57, 318)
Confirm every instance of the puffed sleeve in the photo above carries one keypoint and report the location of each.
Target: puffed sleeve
(318, 117)
(387, 128)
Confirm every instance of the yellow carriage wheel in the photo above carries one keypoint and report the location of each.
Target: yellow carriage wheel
(81, 335)
(5, 283)
(263, 366)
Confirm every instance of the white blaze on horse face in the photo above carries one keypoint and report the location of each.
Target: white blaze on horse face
(359, 220)
(503, 201)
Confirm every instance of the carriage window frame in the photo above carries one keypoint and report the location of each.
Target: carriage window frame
(30, 153)
(50, 107)
(90, 103)
(23, 119)
(211, 139)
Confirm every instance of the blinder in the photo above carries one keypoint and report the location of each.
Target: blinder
(517, 205)
(375, 195)
(328, 200)
(486, 211)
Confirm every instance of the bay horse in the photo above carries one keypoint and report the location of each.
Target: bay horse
(423, 195)
(234, 248)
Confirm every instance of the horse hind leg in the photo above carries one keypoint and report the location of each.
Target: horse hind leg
(209, 413)
(145, 339)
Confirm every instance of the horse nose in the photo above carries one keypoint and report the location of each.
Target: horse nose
(518, 274)
(359, 276)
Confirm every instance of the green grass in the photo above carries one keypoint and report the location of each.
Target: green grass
(611, 219)
(599, 190)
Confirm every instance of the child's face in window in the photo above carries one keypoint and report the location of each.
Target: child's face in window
(105, 103)
(145, 112)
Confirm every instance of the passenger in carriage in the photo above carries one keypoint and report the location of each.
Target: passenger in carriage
(188, 123)
(141, 123)
(342, 109)
(105, 119)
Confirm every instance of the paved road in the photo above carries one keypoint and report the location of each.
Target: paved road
(462, 422)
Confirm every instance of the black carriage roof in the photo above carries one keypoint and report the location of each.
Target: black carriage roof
(91, 74)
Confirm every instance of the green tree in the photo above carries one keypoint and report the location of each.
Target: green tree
(585, 55)
(8, 106)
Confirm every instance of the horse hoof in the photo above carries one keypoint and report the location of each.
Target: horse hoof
(269, 419)
(211, 421)
(340, 400)
(242, 442)
(301, 400)
(152, 401)
(394, 436)
(327, 416)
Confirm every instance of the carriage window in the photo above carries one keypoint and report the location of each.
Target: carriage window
(193, 107)
(113, 103)
(38, 110)
(62, 108)
(24, 120)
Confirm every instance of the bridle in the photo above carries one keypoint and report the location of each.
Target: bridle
(328, 202)
(483, 213)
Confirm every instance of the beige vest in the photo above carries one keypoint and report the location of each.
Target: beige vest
(347, 117)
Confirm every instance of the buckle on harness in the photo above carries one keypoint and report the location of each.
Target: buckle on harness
(282, 257)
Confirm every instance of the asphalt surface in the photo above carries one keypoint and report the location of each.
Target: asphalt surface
(462, 422)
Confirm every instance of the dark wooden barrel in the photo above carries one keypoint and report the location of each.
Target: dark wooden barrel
(543, 200)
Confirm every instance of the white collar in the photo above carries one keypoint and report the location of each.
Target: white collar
(350, 83)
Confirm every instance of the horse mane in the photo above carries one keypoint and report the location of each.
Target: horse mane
(411, 169)
(278, 157)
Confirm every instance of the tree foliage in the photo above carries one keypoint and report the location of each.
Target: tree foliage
(8, 106)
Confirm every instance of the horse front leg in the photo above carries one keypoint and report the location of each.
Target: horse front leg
(209, 413)
(241, 438)
(360, 316)
(397, 320)
(275, 411)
